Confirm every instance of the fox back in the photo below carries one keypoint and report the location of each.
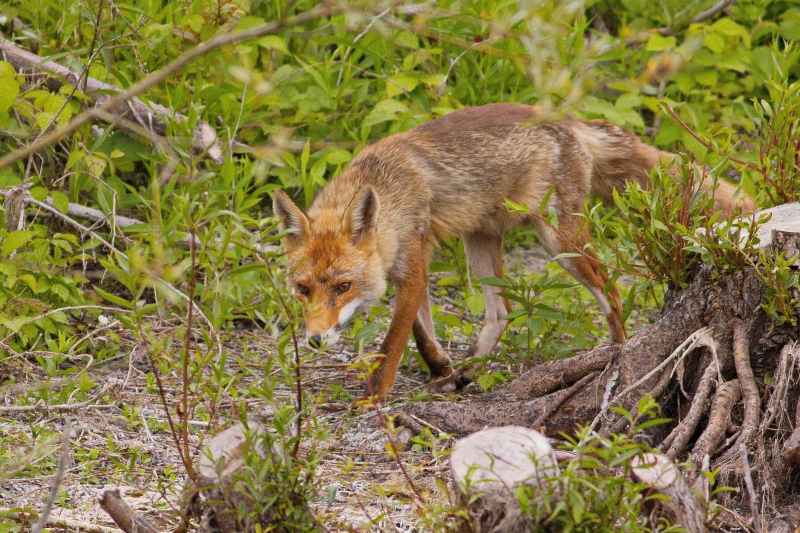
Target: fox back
(381, 219)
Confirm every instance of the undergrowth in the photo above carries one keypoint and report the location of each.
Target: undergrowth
(172, 280)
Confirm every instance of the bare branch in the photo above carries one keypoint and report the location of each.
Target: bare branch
(57, 479)
(148, 116)
(119, 99)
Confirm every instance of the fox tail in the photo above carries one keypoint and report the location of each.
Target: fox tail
(619, 157)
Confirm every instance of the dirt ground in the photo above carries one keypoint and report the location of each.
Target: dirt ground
(357, 481)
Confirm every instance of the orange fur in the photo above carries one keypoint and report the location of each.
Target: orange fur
(380, 220)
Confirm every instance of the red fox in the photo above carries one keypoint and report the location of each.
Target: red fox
(382, 217)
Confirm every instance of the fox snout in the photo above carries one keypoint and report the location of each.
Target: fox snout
(324, 323)
(315, 341)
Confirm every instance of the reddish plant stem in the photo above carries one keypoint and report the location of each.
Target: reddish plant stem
(764, 174)
(297, 365)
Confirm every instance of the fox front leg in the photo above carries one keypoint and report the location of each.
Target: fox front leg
(412, 294)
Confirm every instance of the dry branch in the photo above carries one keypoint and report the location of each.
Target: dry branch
(751, 491)
(119, 99)
(119, 221)
(147, 116)
(123, 515)
(57, 479)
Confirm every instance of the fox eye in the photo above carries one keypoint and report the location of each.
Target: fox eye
(343, 287)
(303, 290)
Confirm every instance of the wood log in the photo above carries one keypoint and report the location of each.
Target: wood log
(488, 465)
(785, 219)
(680, 507)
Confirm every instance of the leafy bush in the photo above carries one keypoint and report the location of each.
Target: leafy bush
(594, 491)
(292, 108)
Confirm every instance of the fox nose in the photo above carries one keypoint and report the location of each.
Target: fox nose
(315, 341)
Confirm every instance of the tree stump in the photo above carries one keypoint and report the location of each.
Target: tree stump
(488, 465)
(732, 389)
(679, 505)
(219, 496)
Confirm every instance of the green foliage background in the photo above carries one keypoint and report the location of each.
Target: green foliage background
(291, 109)
(295, 106)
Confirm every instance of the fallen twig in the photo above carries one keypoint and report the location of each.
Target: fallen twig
(751, 492)
(40, 406)
(57, 479)
(61, 522)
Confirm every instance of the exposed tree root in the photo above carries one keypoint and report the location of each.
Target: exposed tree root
(750, 393)
(675, 443)
(554, 375)
(698, 381)
(563, 396)
(721, 407)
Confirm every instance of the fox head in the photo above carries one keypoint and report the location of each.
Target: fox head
(333, 260)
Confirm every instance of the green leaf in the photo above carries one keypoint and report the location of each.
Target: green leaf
(707, 77)
(407, 39)
(30, 281)
(116, 300)
(399, 83)
(273, 42)
(658, 42)
(9, 90)
(16, 240)
(60, 201)
(38, 193)
(727, 26)
(7, 70)
(385, 111)
(15, 324)
(338, 157)
(714, 42)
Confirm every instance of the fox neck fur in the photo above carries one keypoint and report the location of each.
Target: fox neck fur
(381, 219)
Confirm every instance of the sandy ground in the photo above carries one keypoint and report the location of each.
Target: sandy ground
(360, 487)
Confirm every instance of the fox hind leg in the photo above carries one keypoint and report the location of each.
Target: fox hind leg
(427, 345)
(585, 268)
(485, 257)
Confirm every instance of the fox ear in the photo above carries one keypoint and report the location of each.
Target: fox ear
(361, 216)
(292, 218)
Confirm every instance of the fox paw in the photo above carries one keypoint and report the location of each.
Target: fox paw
(455, 381)
(366, 403)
